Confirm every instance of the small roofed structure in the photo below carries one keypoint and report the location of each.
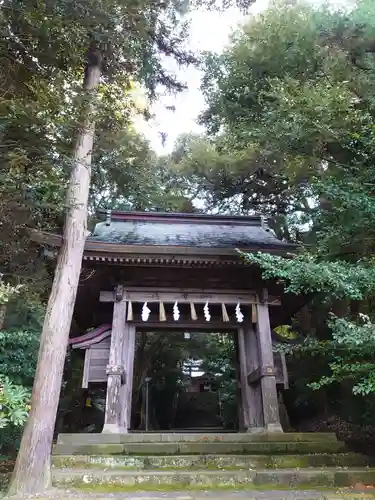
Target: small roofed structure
(166, 271)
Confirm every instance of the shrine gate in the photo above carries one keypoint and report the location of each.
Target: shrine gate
(168, 271)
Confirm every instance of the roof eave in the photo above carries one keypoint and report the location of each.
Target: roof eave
(94, 247)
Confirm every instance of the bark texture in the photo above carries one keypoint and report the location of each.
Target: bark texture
(32, 473)
(3, 311)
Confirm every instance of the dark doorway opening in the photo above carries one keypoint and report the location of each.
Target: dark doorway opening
(185, 380)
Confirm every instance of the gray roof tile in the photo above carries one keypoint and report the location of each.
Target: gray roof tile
(173, 230)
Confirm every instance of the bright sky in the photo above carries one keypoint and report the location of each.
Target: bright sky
(210, 31)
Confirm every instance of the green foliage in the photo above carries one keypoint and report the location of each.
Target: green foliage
(19, 342)
(306, 273)
(14, 410)
(19, 338)
(7, 291)
(286, 332)
(289, 118)
(285, 100)
(18, 353)
(14, 404)
(44, 49)
(349, 354)
(220, 363)
(43, 52)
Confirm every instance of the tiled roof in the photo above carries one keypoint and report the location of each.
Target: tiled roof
(185, 230)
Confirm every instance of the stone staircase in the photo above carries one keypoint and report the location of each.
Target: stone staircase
(180, 461)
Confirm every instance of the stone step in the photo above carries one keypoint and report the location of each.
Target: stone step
(211, 461)
(181, 437)
(113, 480)
(201, 430)
(207, 495)
(202, 448)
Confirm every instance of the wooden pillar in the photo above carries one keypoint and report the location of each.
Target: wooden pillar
(256, 422)
(244, 418)
(266, 370)
(115, 368)
(240, 421)
(129, 353)
(252, 414)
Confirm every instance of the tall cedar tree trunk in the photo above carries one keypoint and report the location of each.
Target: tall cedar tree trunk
(32, 473)
(3, 310)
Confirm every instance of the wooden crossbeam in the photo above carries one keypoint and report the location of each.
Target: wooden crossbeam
(188, 296)
(256, 375)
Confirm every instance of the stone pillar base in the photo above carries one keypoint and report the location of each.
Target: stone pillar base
(273, 428)
(114, 429)
(256, 430)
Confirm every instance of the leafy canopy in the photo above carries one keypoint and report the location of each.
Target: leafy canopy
(289, 118)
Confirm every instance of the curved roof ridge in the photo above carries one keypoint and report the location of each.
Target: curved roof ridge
(92, 335)
(181, 217)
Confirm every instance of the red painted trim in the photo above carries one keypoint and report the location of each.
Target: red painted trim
(89, 343)
(91, 335)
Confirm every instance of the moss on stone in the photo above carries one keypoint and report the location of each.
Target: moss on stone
(89, 449)
(345, 495)
(220, 478)
(116, 488)
(319, 460)
(293, 478)
(99, 462)
(176, 466)
(351, 477)
(199, 437)
(212, 462)
(203, 448)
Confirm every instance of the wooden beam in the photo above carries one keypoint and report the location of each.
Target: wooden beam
(253, 377)
(202, 326)
(284, 370)
(86, 369)
(265, 371)
(115, 368)
(268, 384)
(119, 293)
(170, 295)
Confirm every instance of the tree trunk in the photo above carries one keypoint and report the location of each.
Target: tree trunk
(3, 311)
(32, 473)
